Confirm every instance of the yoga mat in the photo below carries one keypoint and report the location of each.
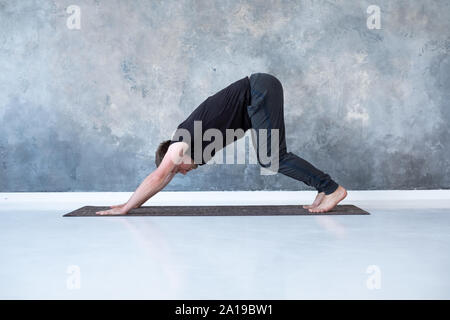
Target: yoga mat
(251, 210)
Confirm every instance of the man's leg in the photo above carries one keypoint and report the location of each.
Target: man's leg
(267, 112)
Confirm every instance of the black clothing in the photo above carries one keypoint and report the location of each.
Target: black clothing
(267, 112)
(227, 109)
(256, 102)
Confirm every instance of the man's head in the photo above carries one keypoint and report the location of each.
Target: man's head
(185, 165)
(161, 152)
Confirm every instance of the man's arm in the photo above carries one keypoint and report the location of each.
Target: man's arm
(147, 189)
(157, 180)
(153, 183)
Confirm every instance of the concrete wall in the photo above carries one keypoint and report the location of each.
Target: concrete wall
(84, 109)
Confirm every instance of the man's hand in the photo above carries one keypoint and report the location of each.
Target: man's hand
(116, 210)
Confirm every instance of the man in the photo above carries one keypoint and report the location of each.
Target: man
(255, 103)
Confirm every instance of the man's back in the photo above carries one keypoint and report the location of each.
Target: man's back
(227, 109)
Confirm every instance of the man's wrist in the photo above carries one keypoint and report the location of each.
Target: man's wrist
(126, 208)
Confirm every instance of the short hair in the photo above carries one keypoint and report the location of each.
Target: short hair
(161, 152)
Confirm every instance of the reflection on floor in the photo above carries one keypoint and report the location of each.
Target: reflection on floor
(400, 251)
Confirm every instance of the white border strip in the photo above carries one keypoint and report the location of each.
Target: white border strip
(73, 200)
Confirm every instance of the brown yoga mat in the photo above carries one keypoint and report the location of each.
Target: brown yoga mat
(251, 210)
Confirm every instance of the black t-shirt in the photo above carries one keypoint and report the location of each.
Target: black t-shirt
(227, 109)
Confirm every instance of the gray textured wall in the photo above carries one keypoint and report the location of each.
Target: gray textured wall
(83, 110)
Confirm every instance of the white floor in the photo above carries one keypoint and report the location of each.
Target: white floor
(400, 251)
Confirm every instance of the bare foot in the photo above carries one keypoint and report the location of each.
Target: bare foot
(330, 201)
(317, 201)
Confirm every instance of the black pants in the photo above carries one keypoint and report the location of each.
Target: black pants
(266, 112)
